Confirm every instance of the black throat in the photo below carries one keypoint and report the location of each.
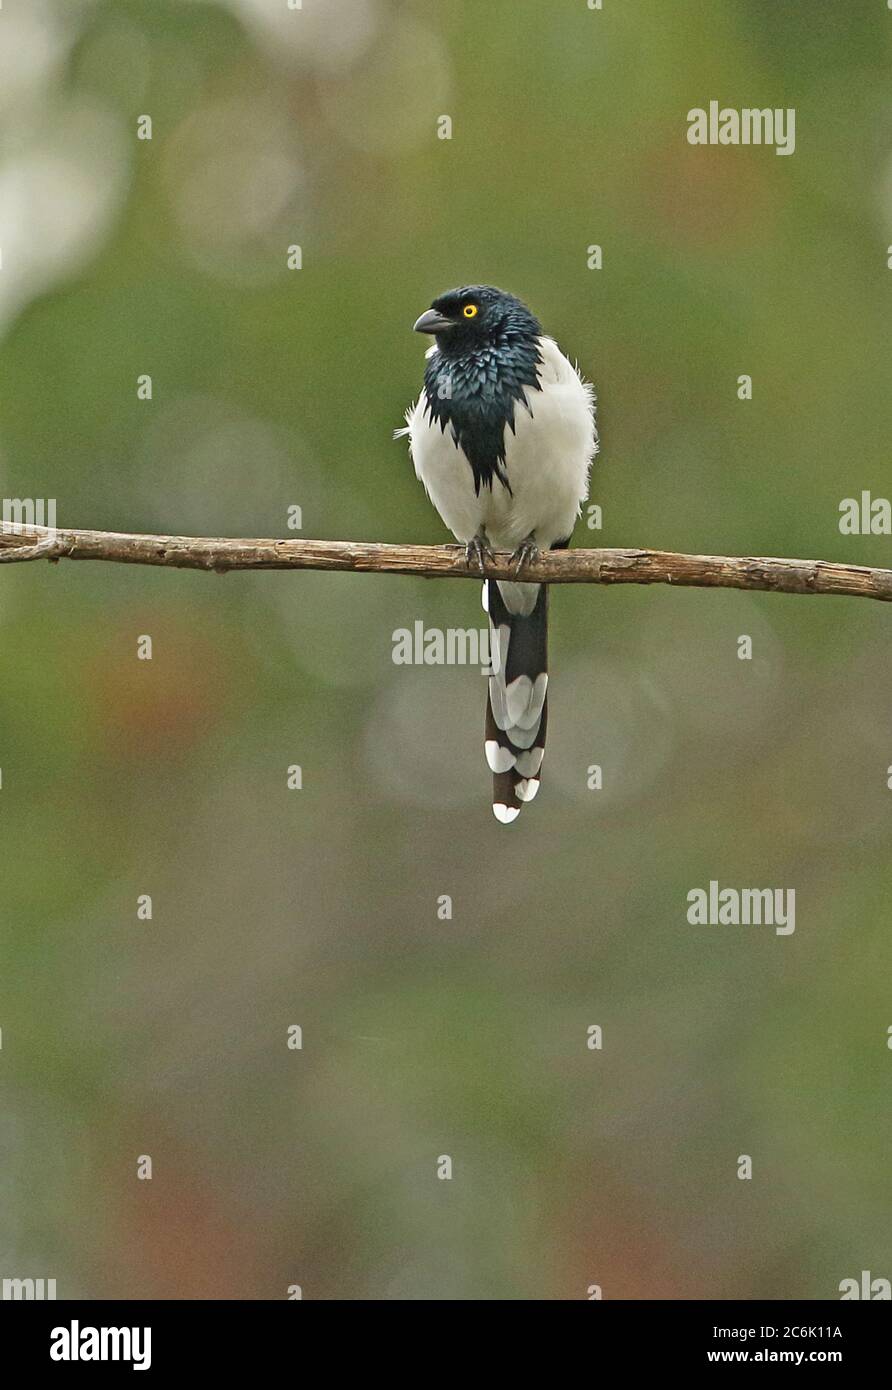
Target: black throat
(474, 390)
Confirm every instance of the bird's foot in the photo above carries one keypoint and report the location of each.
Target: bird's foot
(479, 551)
(525, 553)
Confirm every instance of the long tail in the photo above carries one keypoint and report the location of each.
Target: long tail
(516, 705)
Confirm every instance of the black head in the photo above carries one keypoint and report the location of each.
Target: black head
(477, 316)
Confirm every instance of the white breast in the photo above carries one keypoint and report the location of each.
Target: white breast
(547, 462)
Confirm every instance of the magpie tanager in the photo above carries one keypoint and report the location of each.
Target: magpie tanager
(502, 437)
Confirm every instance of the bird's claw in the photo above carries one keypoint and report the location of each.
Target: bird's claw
(525, 554)
(478, 551)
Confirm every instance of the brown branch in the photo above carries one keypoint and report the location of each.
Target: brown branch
(448, 561)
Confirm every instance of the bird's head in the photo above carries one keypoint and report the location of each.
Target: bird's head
(477, 316)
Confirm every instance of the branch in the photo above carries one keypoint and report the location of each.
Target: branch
(23, 542)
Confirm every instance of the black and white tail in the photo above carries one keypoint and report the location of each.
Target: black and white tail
(516, 704)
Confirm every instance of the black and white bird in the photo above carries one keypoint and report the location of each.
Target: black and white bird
(502, 437)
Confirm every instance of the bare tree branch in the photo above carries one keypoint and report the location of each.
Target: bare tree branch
(19, 543)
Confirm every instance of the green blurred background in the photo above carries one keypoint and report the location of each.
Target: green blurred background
(274, 388)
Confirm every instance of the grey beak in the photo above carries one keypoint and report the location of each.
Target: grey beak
(432, 322)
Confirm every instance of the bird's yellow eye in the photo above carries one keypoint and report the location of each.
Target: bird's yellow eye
(470, 311)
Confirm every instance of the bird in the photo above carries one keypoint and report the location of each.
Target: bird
(503, 436)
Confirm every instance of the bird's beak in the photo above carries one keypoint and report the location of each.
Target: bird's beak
(432, 322)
